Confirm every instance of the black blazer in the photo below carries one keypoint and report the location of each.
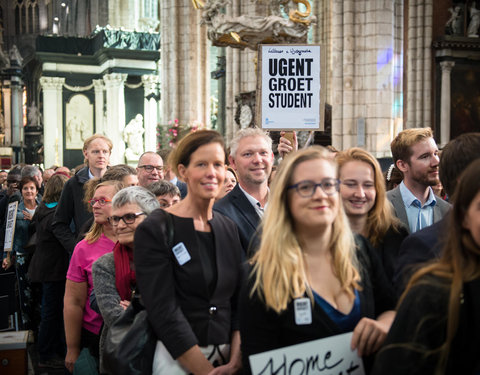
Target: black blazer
(263, 329)
(180, 307)
(418, 248)
(420, 327)
(238, 208)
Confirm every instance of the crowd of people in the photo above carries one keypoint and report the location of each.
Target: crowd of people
(232, 260)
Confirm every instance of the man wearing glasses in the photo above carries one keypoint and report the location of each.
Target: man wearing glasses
(149, 168)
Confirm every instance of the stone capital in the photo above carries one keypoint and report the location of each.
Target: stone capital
(98, 84)
(52, 83)
(447, 66)
(150, 82)
(114, 79)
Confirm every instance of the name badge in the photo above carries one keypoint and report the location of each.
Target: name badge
(181, 253)
(303, 311)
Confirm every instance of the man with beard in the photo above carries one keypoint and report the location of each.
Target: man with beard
(251, 157)
(415, 154)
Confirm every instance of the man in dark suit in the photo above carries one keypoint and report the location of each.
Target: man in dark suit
(427, 243)
(251, 157)
(415, 154)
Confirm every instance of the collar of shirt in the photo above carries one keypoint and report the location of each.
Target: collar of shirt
(174, 180)
(255, 203)
(409, 199)
(90, 175)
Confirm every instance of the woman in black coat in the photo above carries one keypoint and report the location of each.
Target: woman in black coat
(190, 289)
(49, 267)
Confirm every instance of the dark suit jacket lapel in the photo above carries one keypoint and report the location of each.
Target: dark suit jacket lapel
(245, 208)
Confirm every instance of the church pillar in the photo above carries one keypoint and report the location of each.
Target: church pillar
(115, 123)
(7, 113)
(150, 112)
(99, 86)
(185, 72)
(445, 102)
(52, 120)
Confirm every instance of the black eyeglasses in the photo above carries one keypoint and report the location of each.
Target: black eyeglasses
(101, 201)
(307, 189)
(127, 218)
(150, 168)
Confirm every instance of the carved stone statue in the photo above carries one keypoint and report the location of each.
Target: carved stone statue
(15, 56)
(133, 137)
(34, 115)
(454, 25)
(474, 22)
(4, 60)
(248, 31)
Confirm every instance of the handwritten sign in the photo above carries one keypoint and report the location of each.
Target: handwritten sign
(10, 226)
(289, 95)
(329, 356)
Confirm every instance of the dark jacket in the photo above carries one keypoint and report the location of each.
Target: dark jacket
(180, 307)
(417, 249)
(238, 208)
(389, 248)
(50, 260)
(263, 329)
(420, 327)
(71, 208)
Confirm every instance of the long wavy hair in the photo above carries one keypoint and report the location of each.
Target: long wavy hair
(460, 260)
(380, 217)
(279, 270)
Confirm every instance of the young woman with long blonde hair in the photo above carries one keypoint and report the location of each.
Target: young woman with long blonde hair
(308, 252)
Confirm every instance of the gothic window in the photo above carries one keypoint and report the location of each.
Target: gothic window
(26, 16)
(150, 9)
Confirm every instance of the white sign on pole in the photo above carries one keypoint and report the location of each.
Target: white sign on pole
(289, 94)
(10, 226)
(329, 356)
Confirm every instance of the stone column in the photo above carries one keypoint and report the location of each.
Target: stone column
(115, 115)
(185, 72)
(7, 113)
(419, 64)
(17, 111)
(150, 112)
(52, 120)
(445, 102)
(99, 86)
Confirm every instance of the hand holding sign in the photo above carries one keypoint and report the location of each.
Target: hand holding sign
(287, 143)
(369, 334)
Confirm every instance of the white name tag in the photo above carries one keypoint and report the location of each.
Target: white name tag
(181, 253)
(303, 311)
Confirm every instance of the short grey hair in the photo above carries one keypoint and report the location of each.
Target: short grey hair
(137, 195)
(248, 132)
(30, 171)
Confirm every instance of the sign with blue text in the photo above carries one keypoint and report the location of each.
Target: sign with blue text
(289, 92)
(329, 356)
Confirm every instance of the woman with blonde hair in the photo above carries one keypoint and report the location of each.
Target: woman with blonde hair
(437, 329)
(308, 254)
(362, 188)
(82, 324)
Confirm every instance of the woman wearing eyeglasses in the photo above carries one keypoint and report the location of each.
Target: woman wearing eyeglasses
(82, 324)
(309, 257)
(114, 273)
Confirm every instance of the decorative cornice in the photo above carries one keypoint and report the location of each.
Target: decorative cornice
(457, 43)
